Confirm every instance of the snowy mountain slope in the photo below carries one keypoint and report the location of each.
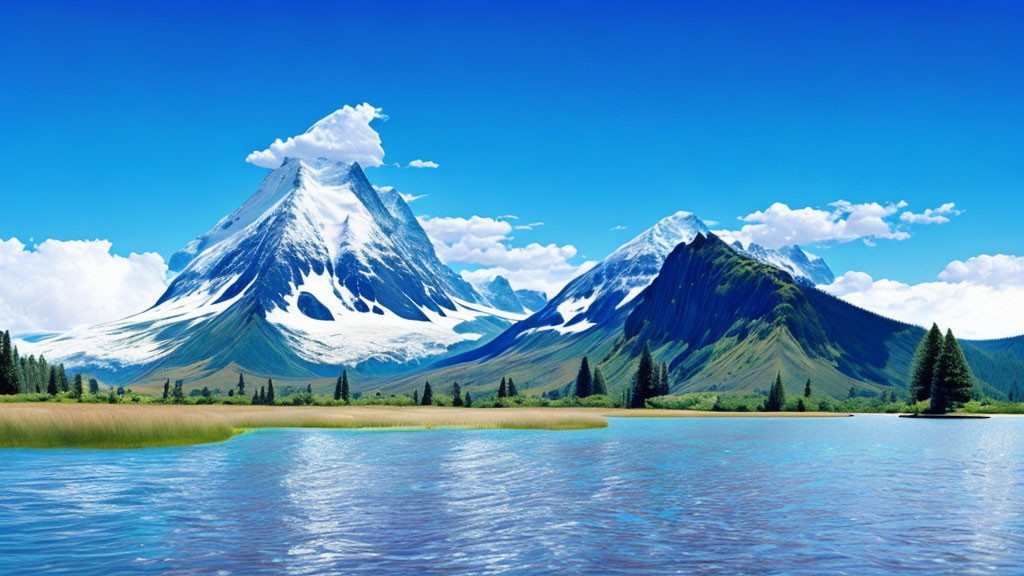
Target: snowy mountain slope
(500, 295)
(805, 268)
(317, 269)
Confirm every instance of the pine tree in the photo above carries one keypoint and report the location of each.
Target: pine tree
(953, 382)
(178, 393)
(922, 369)
(416, 397)
(231, 392)
(645, 381)
(428, 396)
(664, 379)
(337, 389)
(167, 388)
(584, 380)
(77, 389)
(776, 396)
(263, 396)
(344, 386)
(62, 379)
(501, 389)
(512, 388)
(94, 386)
(51, 387)
(456, 395)
(255, 399)
(10, 377)
(598, 383)
(241, 384)
(800, 407)
(807, 389)
(852, 393)
(270, 392)
(469, 400)
(205, 393)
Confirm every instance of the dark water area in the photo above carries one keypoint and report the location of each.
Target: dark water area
(863, 495)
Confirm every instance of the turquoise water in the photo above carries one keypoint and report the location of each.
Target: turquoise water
(863, 495)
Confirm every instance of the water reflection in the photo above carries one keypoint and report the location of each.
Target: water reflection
(867, 495)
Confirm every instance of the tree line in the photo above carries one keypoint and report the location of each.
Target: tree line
(20, 375)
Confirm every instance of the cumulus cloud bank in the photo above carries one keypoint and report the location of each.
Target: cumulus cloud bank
(978, 298)
(62, 285)
(781, 225)
(345, 135)
(485, 243)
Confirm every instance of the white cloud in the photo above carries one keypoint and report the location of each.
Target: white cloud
(619, 227)
(781, 225)
(938, 215)
(979, 298)
(411, 197)
(417, 163)
(996, 271)
(344, 135)
(485, 243)
(61, 285)
(529, 226)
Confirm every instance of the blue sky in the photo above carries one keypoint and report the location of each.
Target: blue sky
(131, 122)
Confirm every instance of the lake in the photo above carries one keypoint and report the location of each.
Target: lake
(863, 495)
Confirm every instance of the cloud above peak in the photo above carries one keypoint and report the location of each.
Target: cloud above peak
(345, 135)
(842, 221)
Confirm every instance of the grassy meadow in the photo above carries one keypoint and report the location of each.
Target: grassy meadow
(50, 425)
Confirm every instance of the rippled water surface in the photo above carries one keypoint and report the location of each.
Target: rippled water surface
(863, 495)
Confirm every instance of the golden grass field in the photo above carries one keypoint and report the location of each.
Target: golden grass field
(44, 425)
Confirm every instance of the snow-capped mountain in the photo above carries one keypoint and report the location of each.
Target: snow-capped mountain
(805, 268)
(500, 295)
(603, 296)
(317, 269)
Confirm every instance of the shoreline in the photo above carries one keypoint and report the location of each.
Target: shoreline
(103, 426)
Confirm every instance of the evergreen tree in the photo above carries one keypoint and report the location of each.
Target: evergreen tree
(167, 388)
(800, 407)
(344, 386)
(922, 369)
(663, 380)
(241, 384)
(953, 382)
(416, 397)
(456, 395)
(94, 386)
(584, 380)
(77, 389)
(179, 392)
(598, 383)
(263, 396)
(512, 388)
(205, 393)
(337, 389)
(776, 396)
(501, 389)
(807, 389)
(270, 392)
(469, 400)
(645, 381)
(231, 392)
(428, 396)
(62, 379)
(255, 398)
(10, 371)
(51, 387)
(852, 393)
